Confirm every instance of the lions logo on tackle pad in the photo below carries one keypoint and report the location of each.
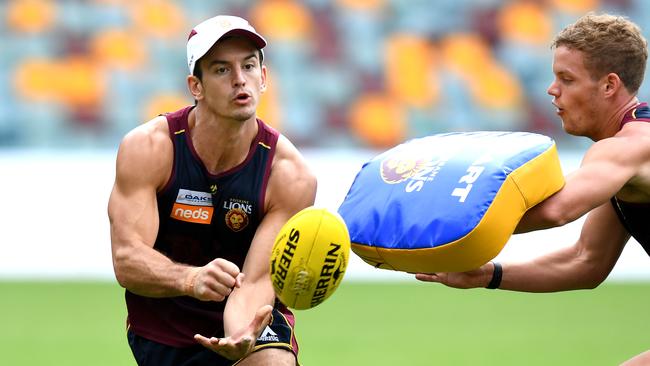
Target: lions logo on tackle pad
(448, 202)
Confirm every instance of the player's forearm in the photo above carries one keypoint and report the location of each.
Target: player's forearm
(550, 273)
(532, 280)
(244, 302)
(145, 271)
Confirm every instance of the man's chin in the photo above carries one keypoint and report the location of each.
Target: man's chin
(243, 117)
(571, 131)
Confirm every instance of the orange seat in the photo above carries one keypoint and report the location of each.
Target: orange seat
(30, 16)
(75, 81)
(118, 48)
(490, 84)
(465, 53)
(363, 5)
(576, 6)
(35, 79)
(525, 21)
(163, 103)
(410, 70)
(282, 19)
(81, 82)
(378, 120)
(158, 18)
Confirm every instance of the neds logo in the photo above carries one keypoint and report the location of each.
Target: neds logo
(195, 214)
(193, 206)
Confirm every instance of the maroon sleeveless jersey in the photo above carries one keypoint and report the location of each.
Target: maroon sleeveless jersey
(635, 216)
(202, 217)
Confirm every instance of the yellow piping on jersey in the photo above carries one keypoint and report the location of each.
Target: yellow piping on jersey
(266, 146)
(179, 132)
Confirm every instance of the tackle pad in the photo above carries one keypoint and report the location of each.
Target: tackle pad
(448, 202)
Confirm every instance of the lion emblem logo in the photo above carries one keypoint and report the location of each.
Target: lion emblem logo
(236, 219)
(396, 169)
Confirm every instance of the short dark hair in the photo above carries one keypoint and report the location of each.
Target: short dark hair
(610, 44)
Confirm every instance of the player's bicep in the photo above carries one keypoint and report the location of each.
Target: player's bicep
(584, 190)
(603, 172)
(132, 207)
(292, 185)
(597, 180)
(133, 215)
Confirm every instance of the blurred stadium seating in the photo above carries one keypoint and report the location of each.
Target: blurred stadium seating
(343, 73)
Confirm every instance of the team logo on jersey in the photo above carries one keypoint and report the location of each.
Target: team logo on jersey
(396, 169)
(236, 219)
(237, 214)
(193, 206)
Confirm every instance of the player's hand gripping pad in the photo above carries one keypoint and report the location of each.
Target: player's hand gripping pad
(448, 202)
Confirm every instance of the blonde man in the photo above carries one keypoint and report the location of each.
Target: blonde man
(599, 64)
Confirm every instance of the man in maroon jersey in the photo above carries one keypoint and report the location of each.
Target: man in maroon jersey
(599, 64)
(199, 197)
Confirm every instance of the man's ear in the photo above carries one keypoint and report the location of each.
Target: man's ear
(195, 87)
(263, 84)
(612, 83)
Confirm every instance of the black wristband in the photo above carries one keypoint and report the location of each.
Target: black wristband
(495, 282)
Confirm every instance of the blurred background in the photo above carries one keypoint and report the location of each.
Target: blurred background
(343, 73)
(347, 80)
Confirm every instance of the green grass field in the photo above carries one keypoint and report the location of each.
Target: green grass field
(81, 323)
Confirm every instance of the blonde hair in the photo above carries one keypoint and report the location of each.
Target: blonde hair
(610, 44)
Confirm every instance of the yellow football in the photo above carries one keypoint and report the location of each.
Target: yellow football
(309, 257)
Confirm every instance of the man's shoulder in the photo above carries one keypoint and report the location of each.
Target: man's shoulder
(292, 183)
(155, 130)
(145, 154)
(149, 142)
(629, 147)
(289, 165)
(287, 154)
(636, 131)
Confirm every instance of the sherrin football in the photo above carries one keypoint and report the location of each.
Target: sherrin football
(309, 257)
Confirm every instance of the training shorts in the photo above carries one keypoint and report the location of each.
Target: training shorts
(278, 334)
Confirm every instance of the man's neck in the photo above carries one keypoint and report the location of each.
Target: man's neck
(613, 121)
(221, 144)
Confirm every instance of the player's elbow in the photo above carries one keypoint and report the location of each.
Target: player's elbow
(599, 275)
(593, 273)
(592, 283)
(120, 267)
(558, 210)
(556, 216)
(543, 216)
(120, 276)
(121, 280)
(559, 219)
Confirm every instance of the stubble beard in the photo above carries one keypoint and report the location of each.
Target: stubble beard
(569, 128)
(243, 115)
